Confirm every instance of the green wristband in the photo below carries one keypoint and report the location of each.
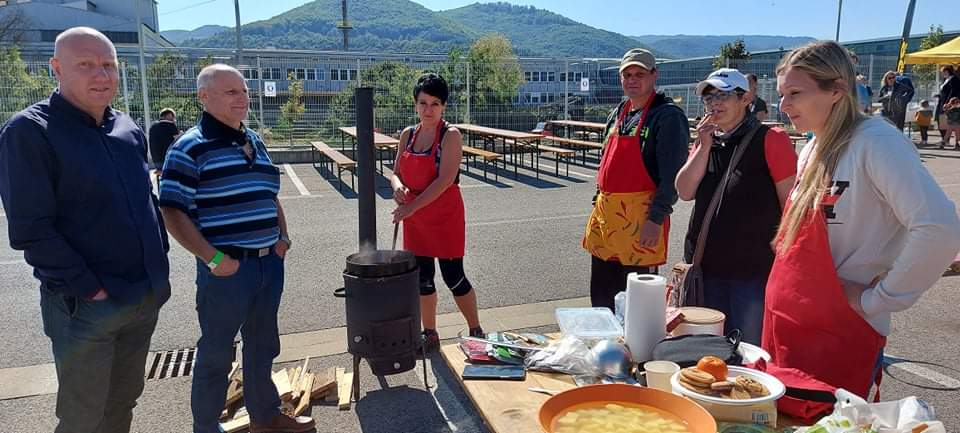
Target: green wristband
(216, 259)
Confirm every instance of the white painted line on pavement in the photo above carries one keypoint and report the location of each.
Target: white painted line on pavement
(926, 373)
(588, 176)
(12, 262)
(485, 185)
(527, 220)
(296, 180)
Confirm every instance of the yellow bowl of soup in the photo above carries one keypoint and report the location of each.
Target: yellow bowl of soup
(623, 408)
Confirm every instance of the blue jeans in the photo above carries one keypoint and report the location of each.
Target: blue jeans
(246, 301)
(741, 301)
(100, 350)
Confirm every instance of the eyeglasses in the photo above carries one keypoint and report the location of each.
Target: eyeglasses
(719, 96)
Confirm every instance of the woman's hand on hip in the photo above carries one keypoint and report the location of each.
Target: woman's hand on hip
(854, 291)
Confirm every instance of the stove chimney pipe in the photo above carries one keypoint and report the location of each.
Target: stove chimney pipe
(366, 185)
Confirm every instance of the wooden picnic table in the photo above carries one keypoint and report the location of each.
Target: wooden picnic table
(508, 406)
(381, 142)
(569, 126)
(515, 140)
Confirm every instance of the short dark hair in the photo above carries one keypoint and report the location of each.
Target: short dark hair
(949, 69)
(167, 111)
(752, 78)
(433, 85)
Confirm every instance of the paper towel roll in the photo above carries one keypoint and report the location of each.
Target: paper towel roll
(645, 318)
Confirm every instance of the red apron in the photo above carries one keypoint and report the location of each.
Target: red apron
(621, 167)
(625, 194)
(808, 323)
(438, 229)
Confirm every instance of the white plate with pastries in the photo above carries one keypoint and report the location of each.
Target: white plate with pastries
(774, 386)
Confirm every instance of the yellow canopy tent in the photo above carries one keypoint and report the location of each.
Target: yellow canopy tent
(944, 54)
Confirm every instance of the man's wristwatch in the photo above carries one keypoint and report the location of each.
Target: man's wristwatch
(287, 240)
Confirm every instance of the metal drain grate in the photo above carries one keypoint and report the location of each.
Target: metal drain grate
(173, 363)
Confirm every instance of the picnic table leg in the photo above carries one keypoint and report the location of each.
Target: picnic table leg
(535, 158)
(339, 177)
(513, 151)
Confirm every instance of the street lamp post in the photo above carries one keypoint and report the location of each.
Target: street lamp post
(839, 9)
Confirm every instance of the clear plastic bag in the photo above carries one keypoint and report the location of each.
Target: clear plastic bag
(567, 355)
(854, 415)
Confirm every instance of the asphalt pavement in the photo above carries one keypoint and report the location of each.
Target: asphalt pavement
(523, 247)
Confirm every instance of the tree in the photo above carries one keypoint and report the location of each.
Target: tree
(495, 74)
(730, 54)
(171, 83)
(928, 73)
(293, 109)
(393, 98)
(20, 86)
(13, 24)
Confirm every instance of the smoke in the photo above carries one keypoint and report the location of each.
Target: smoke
(368, 246)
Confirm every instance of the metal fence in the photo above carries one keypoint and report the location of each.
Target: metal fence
(513, 95)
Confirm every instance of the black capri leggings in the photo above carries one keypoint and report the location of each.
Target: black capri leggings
(450, 269)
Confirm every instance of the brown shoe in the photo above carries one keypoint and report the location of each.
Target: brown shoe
(284, 424)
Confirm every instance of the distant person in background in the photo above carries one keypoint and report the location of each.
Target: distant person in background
(758, 107)
(951, 111)
(949, 89)
(162, 135)
(923, 118)
(864, 95)
(895, 94)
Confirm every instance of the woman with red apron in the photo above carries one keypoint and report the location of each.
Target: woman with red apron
(424, 181)
(865, 232)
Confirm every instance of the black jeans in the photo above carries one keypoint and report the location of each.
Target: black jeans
(609, 278)
(100, 350)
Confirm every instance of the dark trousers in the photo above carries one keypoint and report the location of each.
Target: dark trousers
(741, 300)
(100, 351)
(924, 131)
(246, 301)
(609, 278)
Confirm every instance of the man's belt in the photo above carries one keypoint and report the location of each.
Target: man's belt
(238, 253)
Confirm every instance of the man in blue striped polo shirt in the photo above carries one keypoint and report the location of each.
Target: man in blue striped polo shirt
(218, 196)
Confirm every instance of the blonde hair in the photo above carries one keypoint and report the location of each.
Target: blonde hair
(830, 65)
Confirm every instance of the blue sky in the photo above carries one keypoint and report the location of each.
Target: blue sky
(862, 19)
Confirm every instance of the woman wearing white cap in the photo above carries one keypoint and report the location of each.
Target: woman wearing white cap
(866, 229)
(736, 253)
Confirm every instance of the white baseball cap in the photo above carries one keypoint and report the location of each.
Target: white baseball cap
(726, 80)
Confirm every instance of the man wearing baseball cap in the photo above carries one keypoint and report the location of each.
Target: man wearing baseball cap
(736, 256)
(644, 145)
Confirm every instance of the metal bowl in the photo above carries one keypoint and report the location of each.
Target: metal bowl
(613, 359)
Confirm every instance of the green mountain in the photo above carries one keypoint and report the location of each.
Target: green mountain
(406, 26)
(378, 26)
(539, 32)
(686, 46)
(202, 32)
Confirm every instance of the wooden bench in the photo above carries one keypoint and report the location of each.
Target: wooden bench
(559, 153)
(578, 145)
(472, 153)
(335, 158)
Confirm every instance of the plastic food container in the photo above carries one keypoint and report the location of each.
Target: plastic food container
(589, 324)
(699, 320)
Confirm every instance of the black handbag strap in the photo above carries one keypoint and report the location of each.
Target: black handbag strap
(718, 194)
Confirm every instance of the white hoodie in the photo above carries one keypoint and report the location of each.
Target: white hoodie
(891, 219)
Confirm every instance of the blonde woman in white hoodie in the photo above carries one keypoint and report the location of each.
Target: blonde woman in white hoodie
(866, 230)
